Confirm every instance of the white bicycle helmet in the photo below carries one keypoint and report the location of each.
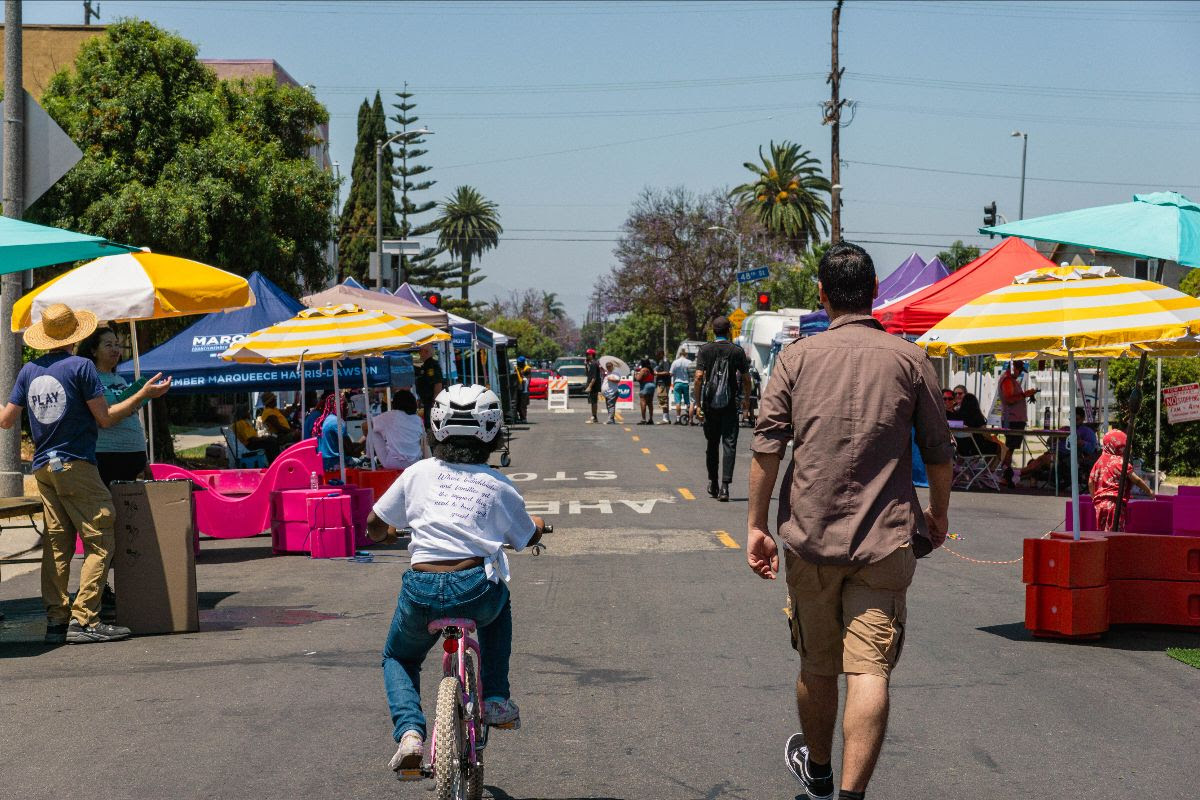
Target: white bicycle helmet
(466, 411)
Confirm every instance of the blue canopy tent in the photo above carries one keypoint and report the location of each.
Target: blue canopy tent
(912, 275)
(465, 334)
(191, 356)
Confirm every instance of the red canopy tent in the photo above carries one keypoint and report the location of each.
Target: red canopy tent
(917, 313)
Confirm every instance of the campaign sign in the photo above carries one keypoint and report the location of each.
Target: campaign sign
(1182, 402)
(625, 395)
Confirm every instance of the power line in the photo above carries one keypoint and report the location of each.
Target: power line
(1141, 184)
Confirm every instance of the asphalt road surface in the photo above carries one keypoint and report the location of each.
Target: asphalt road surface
(648, 663)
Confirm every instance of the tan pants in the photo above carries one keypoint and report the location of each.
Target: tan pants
(77, 502)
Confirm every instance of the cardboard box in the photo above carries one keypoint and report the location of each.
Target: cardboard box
(155, 563)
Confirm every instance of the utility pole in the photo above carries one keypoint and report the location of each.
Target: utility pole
(11, 479)
(833, 118)
(89, 12)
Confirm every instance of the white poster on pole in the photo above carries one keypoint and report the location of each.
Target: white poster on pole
(1182, 402)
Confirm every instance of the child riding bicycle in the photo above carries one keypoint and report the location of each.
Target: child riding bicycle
(461, 513)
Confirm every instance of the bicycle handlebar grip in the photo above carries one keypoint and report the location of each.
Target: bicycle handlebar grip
(547, 528)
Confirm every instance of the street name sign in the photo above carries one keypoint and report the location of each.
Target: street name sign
(1182, 403)
(401, 246)
(752, 275)
(49, 152)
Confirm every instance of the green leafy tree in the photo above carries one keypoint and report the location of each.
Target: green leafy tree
(1181, 442)
(1191, 283)
(794, 284)
(958, 256)
(468, 227)
(531, 342)
(420, 269)
(787, 195)
(552, 307)
(356, 229)
(637, 335)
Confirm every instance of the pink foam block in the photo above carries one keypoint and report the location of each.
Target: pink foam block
(362, 501)
(1087, 513)
(1149, 516)
(291, 505)
(1189, 491)
(335, 542)
(330, 512)
(291, 537)
(1186, 515)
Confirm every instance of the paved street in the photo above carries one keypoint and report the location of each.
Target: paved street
(648, 663)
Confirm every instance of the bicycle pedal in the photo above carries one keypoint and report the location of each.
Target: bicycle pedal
(508, 726)
(410, 774)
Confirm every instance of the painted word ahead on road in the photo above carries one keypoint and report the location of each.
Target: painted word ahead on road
(1182, 402)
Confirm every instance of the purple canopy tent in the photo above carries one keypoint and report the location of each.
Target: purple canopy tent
(912, 274)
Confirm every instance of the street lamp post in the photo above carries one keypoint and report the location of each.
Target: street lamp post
(1024, 151)
(379, 145)
(738, 234)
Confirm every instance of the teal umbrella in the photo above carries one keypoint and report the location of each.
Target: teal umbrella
(24, 245)
(1163, 225)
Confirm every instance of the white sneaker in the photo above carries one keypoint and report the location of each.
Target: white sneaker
(501, 713)
(406, 763)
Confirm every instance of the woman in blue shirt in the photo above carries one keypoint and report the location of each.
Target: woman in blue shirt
(120, 449)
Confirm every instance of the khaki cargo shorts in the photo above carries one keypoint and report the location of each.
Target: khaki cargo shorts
(849, 619)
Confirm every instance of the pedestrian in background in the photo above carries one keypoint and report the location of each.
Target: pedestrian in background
(429, 380)
(66, 405)
(645, 382)
(680, 368)
(591, 372)
(522, 370)
(722, 386)
(662, 384)
(610, 390)
(121, 448)
(849, 402)
(1014, 414)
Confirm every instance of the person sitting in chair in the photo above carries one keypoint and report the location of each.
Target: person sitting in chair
(247, 434)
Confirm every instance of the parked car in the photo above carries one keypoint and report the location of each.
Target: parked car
(576, 377)
(566, 361)
(538, 381)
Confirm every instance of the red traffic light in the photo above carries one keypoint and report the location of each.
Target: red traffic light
(434, 299)
(764, 301)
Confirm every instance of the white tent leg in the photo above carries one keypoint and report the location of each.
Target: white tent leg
(1158, 429)
(369, 448)
(303, 412)
(1071, 442)
(337, 407)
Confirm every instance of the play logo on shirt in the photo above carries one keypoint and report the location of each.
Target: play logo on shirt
(47, 399)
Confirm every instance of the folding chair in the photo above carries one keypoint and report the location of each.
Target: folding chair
(239, 456)
(972, 467)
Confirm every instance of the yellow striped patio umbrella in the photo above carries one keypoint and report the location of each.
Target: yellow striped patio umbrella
(1068, 310)
(333, 333)
(1071, 310)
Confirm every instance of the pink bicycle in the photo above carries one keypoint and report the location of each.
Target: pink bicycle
(459, 733)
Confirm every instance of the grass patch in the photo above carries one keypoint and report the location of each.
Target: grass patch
(1188, 655)
(1184, 480)
(192, 453)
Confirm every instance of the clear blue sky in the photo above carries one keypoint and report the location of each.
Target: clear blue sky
(562, 112)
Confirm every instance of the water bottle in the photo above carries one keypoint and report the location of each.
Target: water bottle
(313, 483)
(1046, 419)
(56, 464)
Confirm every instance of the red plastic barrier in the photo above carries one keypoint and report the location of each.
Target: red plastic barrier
(1065, 563)
(377, 480)
(1154, 602)
(1057, 611)
(1134, 556)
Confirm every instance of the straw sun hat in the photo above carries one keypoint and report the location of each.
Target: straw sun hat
(59, 327)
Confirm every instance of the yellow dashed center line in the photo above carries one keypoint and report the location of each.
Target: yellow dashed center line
(726, 539)
(686, 494)
(662, 467)
(627, 430)
(646, 450)
(636, 438)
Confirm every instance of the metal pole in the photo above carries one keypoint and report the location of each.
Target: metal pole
(1072, 440)
(378, 215)
(1158, 429)
(1021, 205)
(11, 479)
(369, 447)
(739, 269)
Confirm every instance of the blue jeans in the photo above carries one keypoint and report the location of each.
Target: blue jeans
(424, 597)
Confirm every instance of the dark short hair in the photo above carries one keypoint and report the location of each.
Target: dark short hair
(720, 326)
(465, 449)
(404, 401)
(88, 347)
(847, 275)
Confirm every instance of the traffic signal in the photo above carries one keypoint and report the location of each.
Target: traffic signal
(989, 215)
(764, 301)
(434, 299)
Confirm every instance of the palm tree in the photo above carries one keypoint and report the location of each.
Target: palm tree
(786, 195)
(468, 227)
(552, 307)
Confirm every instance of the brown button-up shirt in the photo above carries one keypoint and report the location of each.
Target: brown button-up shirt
(849, 400)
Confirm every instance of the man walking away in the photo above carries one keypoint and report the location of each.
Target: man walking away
(722, 384)
(66, 409)
(680, 388)
(662, 379)
(429, 381)
(849, 401)
(591, 372)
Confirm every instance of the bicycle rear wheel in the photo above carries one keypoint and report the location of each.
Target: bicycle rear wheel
(448, 741)
(474, 772)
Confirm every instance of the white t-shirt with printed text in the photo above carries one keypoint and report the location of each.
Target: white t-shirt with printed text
(458, 511)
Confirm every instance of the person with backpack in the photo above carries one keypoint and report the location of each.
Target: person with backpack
(722, 386)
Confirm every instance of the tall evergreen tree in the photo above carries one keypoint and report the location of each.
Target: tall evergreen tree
(420, 269)
(356, 229)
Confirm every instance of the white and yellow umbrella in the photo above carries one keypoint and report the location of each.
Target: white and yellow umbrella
(333, 333)
(1073, 311)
